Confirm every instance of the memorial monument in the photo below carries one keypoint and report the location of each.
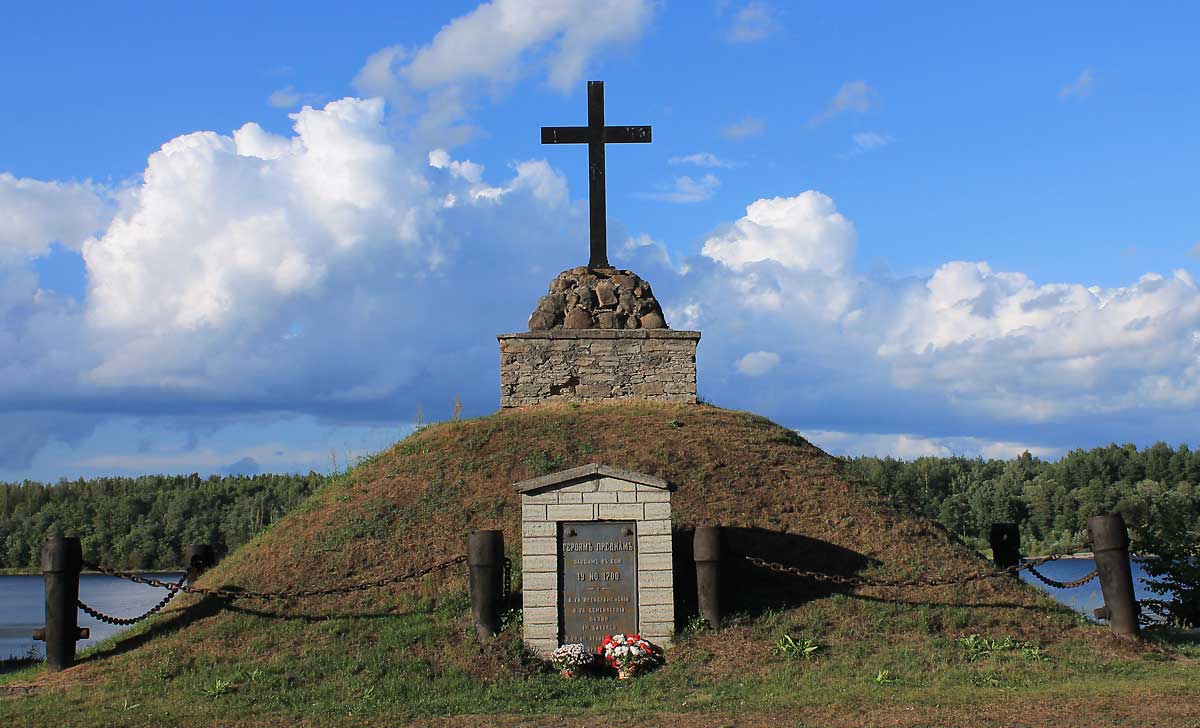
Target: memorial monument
(596, 540)
(596, 557)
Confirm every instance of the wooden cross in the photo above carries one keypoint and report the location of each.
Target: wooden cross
(596, 135)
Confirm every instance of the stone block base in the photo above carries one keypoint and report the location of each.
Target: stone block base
(589, 365)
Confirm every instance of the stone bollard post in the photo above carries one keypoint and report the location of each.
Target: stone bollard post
(485, 557)
(62, 560)
(708, 549)
(1005, 540)
(197, 559)
(1110, 546)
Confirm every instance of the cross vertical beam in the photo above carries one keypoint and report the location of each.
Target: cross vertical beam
(596, 135)
(597, 205)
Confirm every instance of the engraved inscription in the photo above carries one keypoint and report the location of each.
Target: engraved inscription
(598, 583)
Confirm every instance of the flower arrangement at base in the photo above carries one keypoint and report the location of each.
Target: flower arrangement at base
(570, 659)
(629, 654)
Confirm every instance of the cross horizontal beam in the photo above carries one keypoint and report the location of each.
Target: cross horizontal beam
(582, 135)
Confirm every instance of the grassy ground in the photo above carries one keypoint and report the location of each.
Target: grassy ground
(893, 667)
(995, 652)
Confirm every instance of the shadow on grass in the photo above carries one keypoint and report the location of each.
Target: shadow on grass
(1185, 642)
(973, 605)
(210, 606)
(309, 617)
(753, 590)
(167, 623)
(16, 663)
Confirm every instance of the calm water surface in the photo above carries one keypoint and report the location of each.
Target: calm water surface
(22, 605)
(1087, 597)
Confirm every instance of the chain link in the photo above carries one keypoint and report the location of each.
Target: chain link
(1063, 584)
(862, 581)
(297, 594)
(172, 590)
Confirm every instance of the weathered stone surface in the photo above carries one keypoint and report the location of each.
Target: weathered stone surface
(577, 318)
(586, 365)
(605, 295)
(609, 320)
(653, 320)
(611, 298)
(540, 321)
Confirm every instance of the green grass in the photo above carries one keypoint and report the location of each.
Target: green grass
(383, 668)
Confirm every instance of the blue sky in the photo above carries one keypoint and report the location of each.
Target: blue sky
(225, 244)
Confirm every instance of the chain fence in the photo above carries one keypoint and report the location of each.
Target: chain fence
(852, 582)
(1054, 583)
(174, 588)
(855, 582)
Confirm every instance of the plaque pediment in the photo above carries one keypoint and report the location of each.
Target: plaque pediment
(569, 477)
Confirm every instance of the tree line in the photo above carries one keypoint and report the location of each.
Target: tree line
(143, 522)
(1156, 489)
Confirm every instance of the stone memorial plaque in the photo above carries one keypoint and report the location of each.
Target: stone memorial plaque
(598, 582)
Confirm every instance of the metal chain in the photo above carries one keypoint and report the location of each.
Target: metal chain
(298, 594)
(862, 581)
(172, 590)
(1063, 584)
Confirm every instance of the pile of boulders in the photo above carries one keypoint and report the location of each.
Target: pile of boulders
(597, 298)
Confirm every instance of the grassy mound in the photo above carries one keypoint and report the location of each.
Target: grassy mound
(407, 653)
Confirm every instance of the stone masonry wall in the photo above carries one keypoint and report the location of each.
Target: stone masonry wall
(587, 365)
(596, 499)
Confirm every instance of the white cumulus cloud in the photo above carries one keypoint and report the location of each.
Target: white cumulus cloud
(313, 272)
(911, 447)
(967, 347)
(757, 363)
(500, 41)
(224, 224)
(805, 232)
(34, 214)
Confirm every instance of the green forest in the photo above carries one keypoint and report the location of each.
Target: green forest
(144, 522)
(1156, 489)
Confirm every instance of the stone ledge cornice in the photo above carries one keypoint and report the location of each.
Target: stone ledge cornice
(604, 334)
(568, 477)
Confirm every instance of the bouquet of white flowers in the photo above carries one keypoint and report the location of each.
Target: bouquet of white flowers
(570, 659)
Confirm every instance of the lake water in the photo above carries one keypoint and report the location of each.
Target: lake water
(22, 602)
(22, 607)
(1087, 597)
